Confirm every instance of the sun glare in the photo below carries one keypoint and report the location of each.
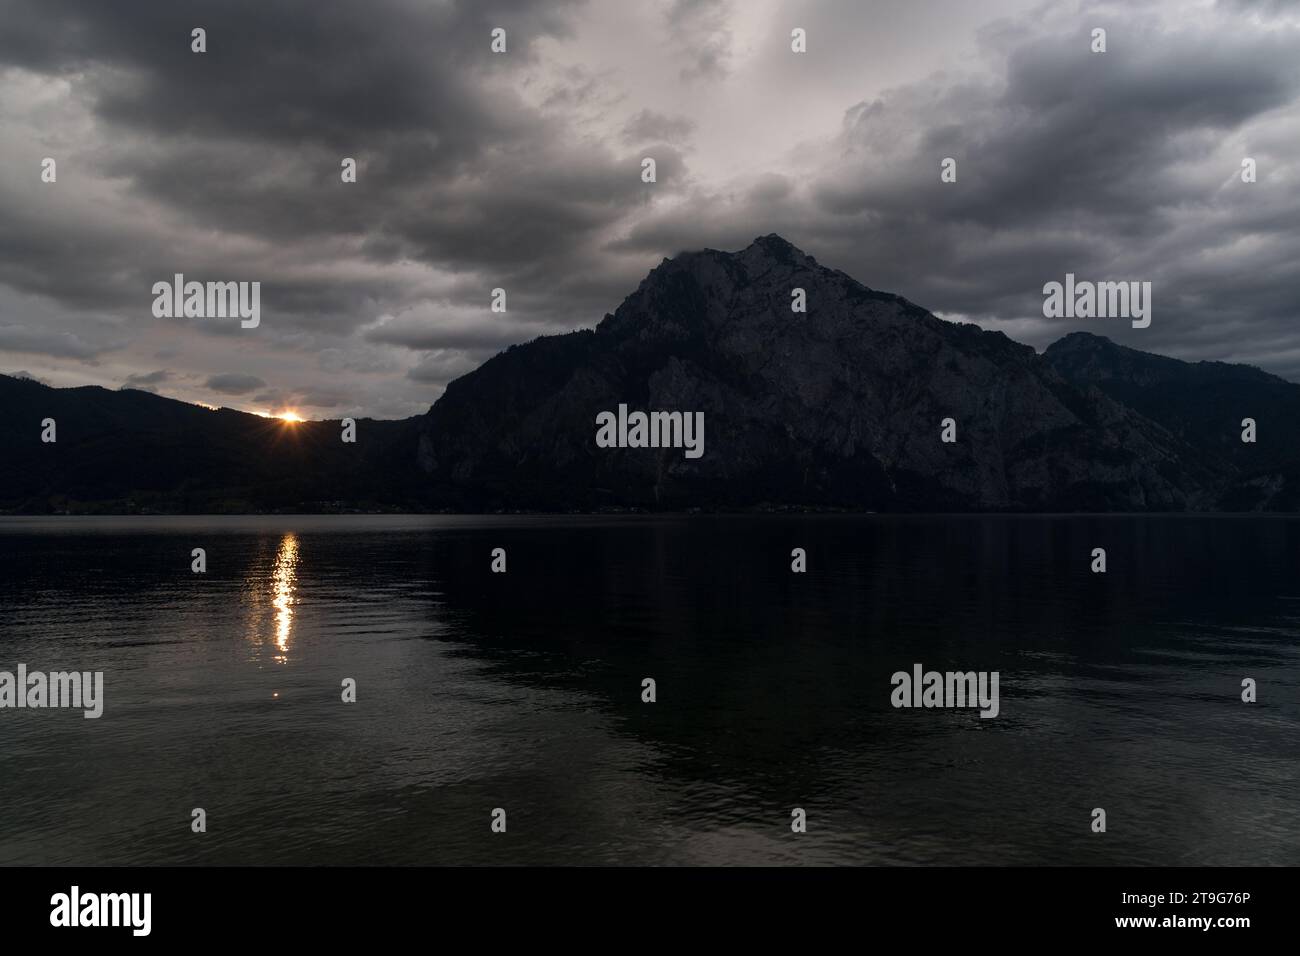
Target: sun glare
(292, 418)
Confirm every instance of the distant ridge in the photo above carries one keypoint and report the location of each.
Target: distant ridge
(836, 408)
(130, 451)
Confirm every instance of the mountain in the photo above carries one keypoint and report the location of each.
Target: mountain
(841, 406)
(1203, 404)
(128, 451)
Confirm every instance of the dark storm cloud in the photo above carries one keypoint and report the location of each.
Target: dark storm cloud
(1106, 165)
(90, 269)
(233, 383)
(1112, 166)
(286, 72)
(247, 140)
(232, 158)
(522, 171)
(1071, 133)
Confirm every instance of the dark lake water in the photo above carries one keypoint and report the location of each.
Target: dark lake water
(523, 690)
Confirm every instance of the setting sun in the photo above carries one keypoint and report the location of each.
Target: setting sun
(292, 417)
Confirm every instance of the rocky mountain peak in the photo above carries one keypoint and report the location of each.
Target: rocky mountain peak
(842, 403)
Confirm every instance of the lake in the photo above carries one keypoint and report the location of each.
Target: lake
(523, 691)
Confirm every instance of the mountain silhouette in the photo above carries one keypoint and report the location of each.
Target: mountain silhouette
(839, 406)
(132, 451)
(1203, 404)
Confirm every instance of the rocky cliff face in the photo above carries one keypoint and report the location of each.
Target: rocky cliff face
(841, 406)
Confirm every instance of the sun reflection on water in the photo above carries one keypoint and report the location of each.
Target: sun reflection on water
(283, 579)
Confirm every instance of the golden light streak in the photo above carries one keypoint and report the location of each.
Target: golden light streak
(284, 577)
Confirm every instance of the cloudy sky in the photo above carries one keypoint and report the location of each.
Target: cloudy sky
(523, 171)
